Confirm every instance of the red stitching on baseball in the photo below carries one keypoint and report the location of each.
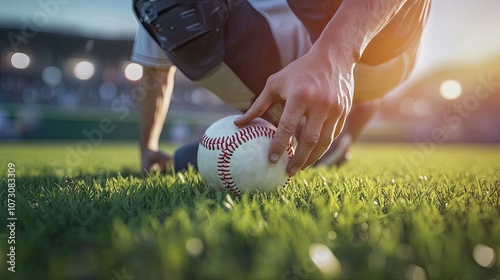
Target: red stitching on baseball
(212, 143)
(232, 143)
(228, 145)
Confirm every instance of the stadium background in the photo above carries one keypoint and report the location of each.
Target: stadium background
(65, 68)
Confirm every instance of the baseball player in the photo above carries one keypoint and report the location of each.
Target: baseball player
(314, 68)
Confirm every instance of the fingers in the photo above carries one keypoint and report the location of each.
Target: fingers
(330, 131)
(327, 136)
(152, 161)
(163, 161)
(325, 117)
(287, 126)
(339, 127)
(259, 107)
(308, 140)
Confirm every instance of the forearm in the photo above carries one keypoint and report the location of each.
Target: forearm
(157, 85)
(353, 26)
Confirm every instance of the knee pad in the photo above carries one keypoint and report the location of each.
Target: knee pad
(191, 32)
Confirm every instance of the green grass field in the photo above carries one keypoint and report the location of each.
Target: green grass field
(393, 212)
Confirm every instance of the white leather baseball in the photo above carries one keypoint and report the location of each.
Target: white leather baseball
(236, 158)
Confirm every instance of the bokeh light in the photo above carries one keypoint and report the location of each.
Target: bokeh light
(107, 91)
(194, 247)
(450, 89)
(133, 72)
(422, 107)
(415, 272)
(84, 70)
(325, 260)
(52, 76)
(484, 255)
(20, 60)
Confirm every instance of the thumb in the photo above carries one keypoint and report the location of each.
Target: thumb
(258, 108)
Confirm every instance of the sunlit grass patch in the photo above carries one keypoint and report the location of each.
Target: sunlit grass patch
(381, 216)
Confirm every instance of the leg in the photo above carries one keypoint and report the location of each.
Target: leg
(401, 32)
(314, 14)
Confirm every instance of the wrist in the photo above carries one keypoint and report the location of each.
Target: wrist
(340, 43)
(337, 50)
(148, 146)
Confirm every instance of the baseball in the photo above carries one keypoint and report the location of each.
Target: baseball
(236, 158)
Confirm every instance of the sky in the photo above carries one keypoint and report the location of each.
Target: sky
(104, 18)
(458, 30)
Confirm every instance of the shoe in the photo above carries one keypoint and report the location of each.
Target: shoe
(339, 151)
(185, 156)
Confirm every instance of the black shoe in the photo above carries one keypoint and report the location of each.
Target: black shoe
(185, 156)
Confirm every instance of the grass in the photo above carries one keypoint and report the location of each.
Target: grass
(393, 212)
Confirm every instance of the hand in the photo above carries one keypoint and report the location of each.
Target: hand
(152, 161)
(316, 89)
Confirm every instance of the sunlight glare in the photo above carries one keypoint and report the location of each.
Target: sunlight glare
(450, 89)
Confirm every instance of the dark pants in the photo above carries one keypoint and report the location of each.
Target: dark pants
(403, 31)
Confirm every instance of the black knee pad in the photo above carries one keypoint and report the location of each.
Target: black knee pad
(190, 32)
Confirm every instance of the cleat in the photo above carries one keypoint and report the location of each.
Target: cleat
(185, 156)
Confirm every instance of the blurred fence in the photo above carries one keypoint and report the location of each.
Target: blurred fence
(62, 86)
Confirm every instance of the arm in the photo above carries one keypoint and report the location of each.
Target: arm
(323, 92)
(157, 85)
